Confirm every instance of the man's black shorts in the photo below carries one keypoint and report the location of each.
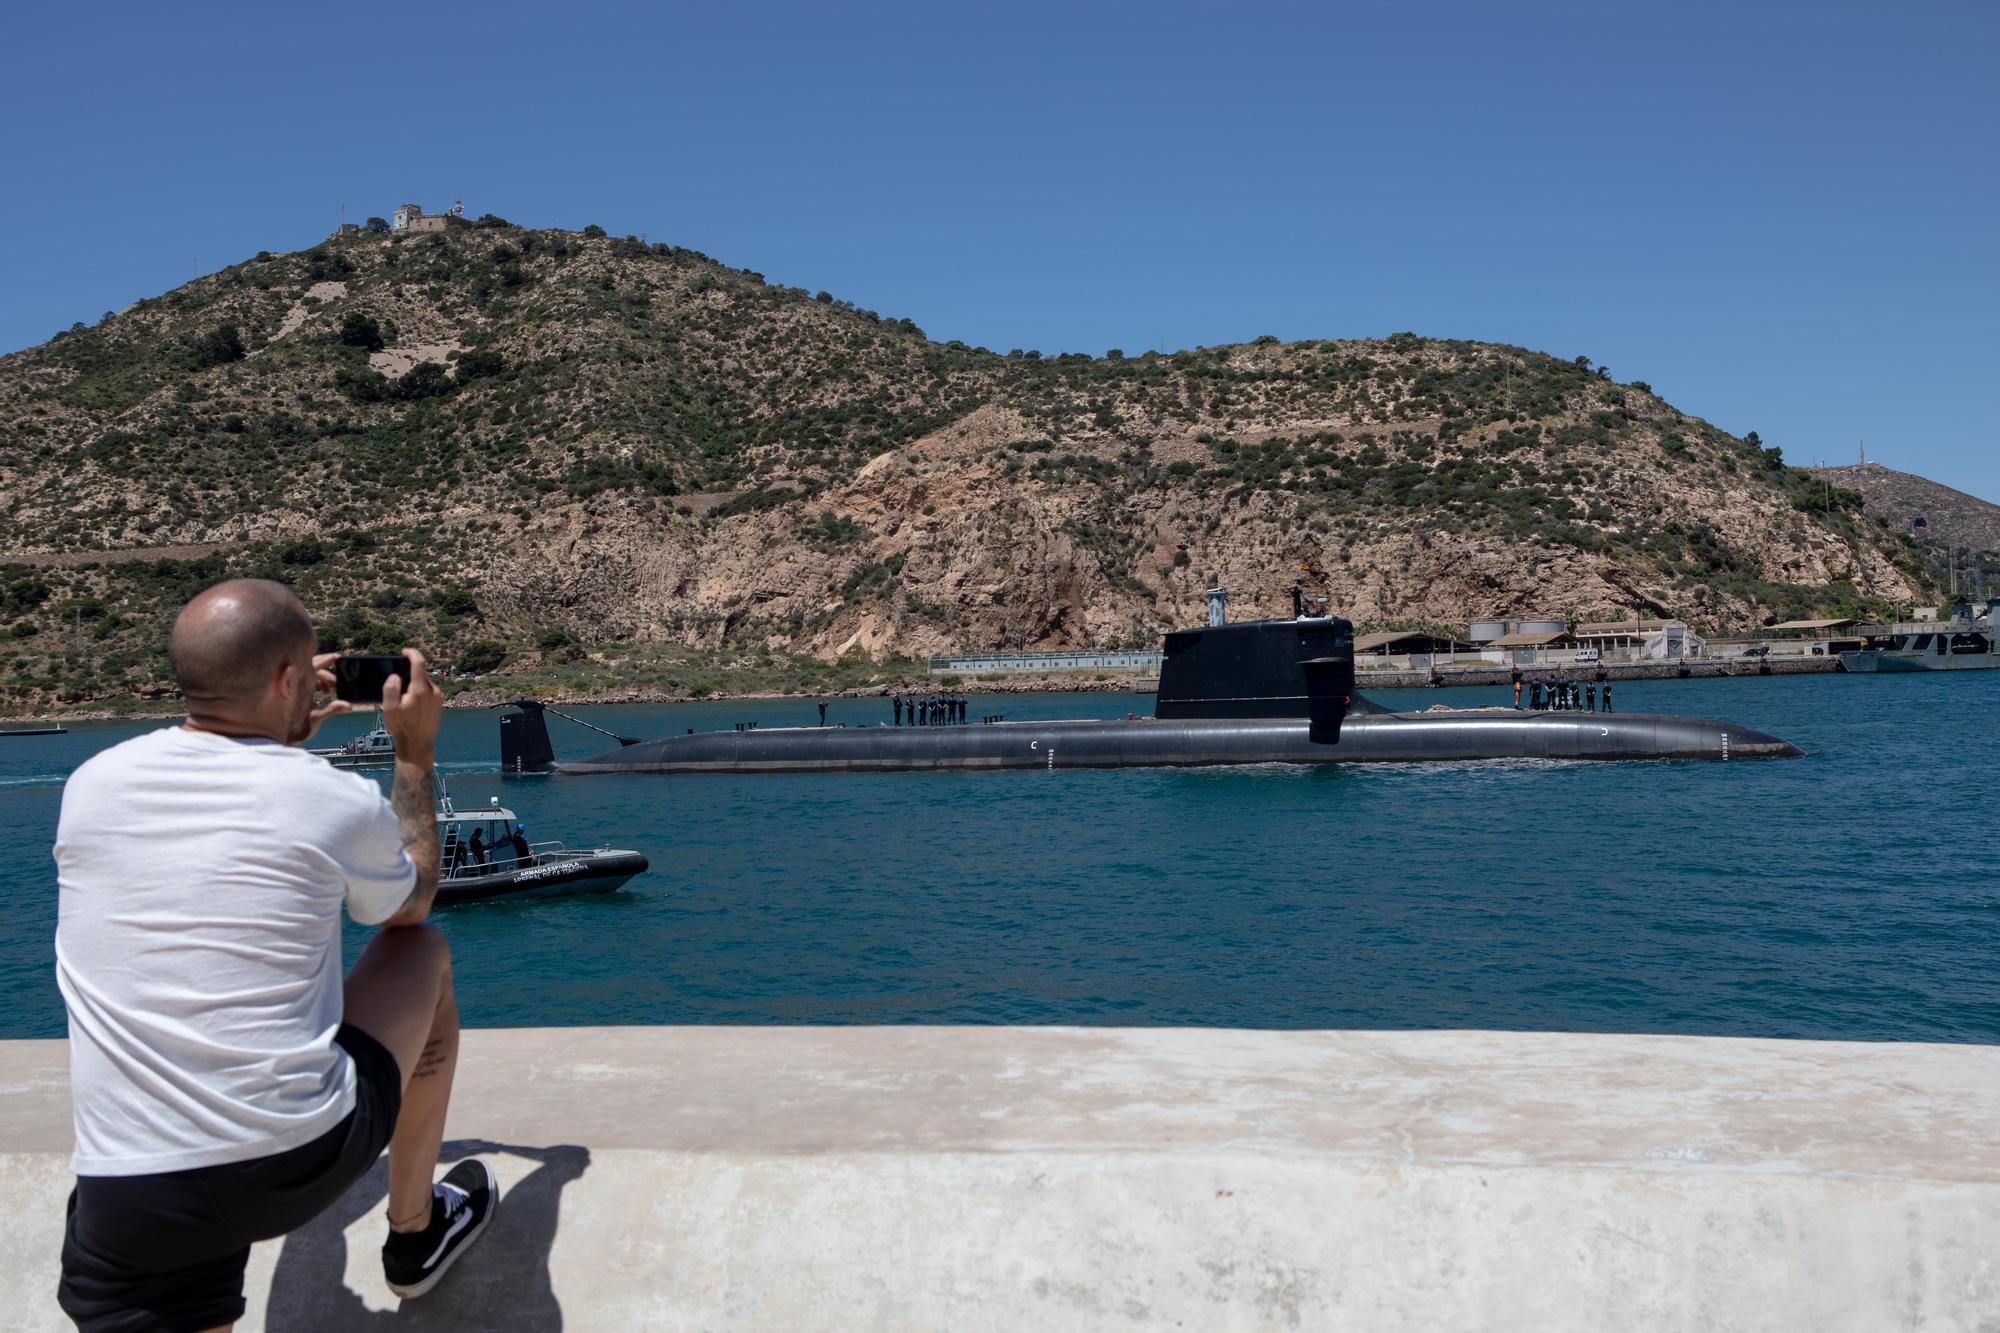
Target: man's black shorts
(167, 1251)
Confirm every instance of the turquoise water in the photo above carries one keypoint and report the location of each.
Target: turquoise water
(1850, 894)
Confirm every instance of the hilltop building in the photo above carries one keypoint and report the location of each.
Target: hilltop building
(412, 218)
(409, 218)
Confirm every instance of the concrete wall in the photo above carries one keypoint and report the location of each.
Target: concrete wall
(1702, 668)
(1021, 1178)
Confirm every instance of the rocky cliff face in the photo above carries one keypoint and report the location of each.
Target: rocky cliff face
(1948, 525)
(503, 434)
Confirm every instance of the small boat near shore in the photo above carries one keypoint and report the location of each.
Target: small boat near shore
(367, 751)
(485, 855)
(54, 729)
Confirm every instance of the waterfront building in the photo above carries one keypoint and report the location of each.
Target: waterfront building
(1657, 639)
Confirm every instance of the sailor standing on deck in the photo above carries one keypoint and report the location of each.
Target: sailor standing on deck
(896, 702)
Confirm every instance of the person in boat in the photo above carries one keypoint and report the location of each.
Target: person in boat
(475, 847)
(233, 1088)
(523, 855)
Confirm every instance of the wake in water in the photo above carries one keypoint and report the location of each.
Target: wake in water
(36, 780)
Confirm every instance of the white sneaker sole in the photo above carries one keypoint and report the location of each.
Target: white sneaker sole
(444, 1266)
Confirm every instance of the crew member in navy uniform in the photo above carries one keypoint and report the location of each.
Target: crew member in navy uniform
(1590, 698)
(1607, 696)
(822, 712)
(896, 702)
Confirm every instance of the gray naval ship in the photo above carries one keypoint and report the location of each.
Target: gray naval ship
(1245, 692)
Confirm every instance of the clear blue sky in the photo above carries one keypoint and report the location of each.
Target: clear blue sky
(1784, 217)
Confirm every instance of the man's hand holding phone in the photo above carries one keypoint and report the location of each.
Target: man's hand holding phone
(411, 712)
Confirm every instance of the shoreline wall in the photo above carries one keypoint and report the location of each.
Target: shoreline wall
(1061, 1178)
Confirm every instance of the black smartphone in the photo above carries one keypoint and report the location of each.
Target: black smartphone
(358, 677)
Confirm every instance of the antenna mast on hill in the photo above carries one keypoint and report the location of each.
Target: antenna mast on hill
(1864, 450)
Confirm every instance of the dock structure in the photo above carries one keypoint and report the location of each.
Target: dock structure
(1062, 1178)
(955, 664)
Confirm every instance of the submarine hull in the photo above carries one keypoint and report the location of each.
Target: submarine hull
(1194, 742)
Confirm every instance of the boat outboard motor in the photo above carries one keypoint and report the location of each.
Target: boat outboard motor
(524, 739)
(1261, 668)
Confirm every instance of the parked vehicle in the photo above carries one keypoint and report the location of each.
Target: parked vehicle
(1586, 655)
(1761, 650)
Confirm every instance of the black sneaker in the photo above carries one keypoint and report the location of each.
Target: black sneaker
(461, 1206)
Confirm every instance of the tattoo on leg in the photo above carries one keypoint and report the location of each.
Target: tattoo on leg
(431, 1060)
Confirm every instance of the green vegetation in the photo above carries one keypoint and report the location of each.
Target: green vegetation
(610, 402)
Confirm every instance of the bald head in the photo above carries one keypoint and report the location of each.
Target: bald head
(231, 639)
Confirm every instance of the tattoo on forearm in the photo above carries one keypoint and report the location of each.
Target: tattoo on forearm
(414, 800)
(431, 1060)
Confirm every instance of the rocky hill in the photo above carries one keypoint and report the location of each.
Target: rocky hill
(1942, 519)
(501, 442)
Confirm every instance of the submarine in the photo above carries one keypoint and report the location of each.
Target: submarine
(1277, 691)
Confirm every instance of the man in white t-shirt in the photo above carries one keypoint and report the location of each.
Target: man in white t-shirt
(226, 1085)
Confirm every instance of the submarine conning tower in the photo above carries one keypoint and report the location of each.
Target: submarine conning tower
(1301, 667)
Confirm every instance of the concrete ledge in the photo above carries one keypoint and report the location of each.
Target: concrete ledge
(1007, 1178)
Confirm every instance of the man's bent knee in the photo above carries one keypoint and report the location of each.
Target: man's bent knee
(421, 948)
(398, 987)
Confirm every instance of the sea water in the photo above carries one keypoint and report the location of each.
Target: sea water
(1854, 893)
